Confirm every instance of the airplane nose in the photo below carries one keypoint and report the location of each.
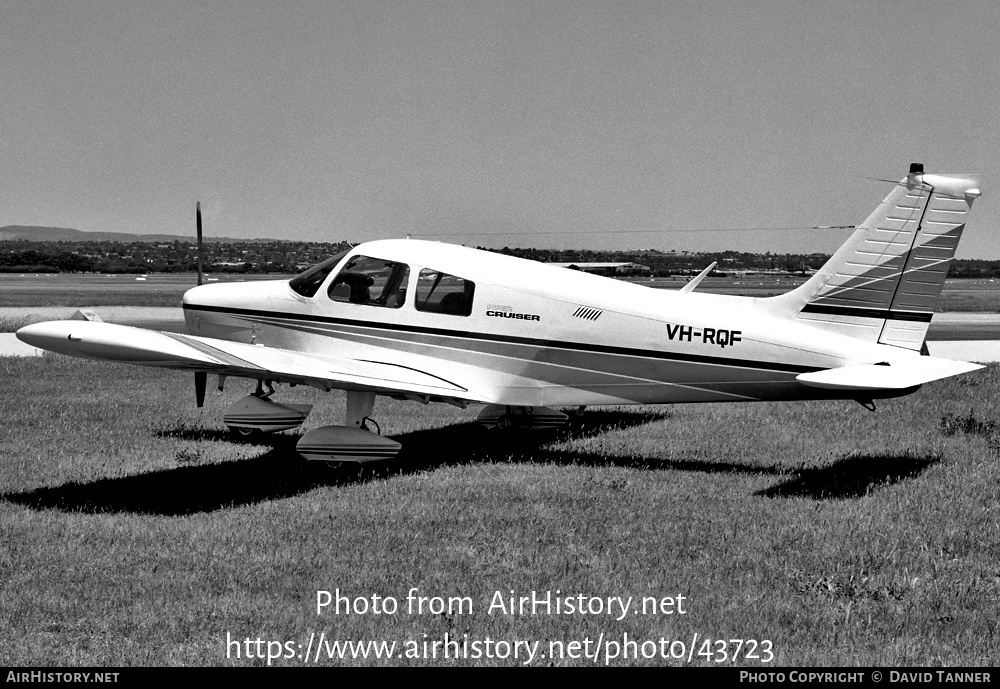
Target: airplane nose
(210, 310)
(251, 294)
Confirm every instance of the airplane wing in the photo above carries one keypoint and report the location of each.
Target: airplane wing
(110, 342)
(874, 377)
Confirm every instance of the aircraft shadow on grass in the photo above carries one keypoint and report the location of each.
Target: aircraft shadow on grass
(281, 472)
(851, 477)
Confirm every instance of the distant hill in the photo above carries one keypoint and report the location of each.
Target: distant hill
(65, 234)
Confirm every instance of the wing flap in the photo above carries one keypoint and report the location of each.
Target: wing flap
(895, 376)
(110, 342)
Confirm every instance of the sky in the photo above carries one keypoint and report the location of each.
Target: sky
(599, 125)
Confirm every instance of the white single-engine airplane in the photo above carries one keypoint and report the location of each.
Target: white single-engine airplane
(435, 322)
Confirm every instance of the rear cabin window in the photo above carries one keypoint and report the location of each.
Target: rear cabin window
(308, 282)
(439, 292)
(371, 282)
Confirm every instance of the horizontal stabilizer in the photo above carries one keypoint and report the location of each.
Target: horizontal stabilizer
(898, 376)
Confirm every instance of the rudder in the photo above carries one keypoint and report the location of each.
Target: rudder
(883, 284)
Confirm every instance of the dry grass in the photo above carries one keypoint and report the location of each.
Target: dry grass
(11, 324)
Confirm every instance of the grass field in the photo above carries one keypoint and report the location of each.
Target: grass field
(135, 531)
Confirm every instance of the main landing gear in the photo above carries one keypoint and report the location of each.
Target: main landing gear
(353, 442)
(523, 418)
(360, 439)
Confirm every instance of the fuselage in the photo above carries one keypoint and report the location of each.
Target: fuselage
(520, 332)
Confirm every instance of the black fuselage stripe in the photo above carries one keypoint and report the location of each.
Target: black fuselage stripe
(509, 339)
(867, 312)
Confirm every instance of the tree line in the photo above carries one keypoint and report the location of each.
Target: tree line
(22, 256)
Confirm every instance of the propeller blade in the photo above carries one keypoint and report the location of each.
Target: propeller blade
(197, 214)
(200, 379)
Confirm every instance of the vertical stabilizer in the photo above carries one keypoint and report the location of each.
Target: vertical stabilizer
(883, 284)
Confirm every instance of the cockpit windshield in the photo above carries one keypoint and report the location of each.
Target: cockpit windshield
(372, 282)
(308, 282)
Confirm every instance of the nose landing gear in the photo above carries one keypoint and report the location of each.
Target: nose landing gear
(258, 413)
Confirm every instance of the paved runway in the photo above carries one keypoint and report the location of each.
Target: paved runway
(111, 314)
(977, 351)
(964, 326)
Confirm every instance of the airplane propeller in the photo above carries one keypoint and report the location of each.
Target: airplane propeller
(200, 377)
(200, 380)
(197, 216)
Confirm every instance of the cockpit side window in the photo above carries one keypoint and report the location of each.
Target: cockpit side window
(439, 292)
(308, 282)
(372, 282)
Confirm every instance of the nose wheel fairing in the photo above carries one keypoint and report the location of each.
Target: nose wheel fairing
(253, 413)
